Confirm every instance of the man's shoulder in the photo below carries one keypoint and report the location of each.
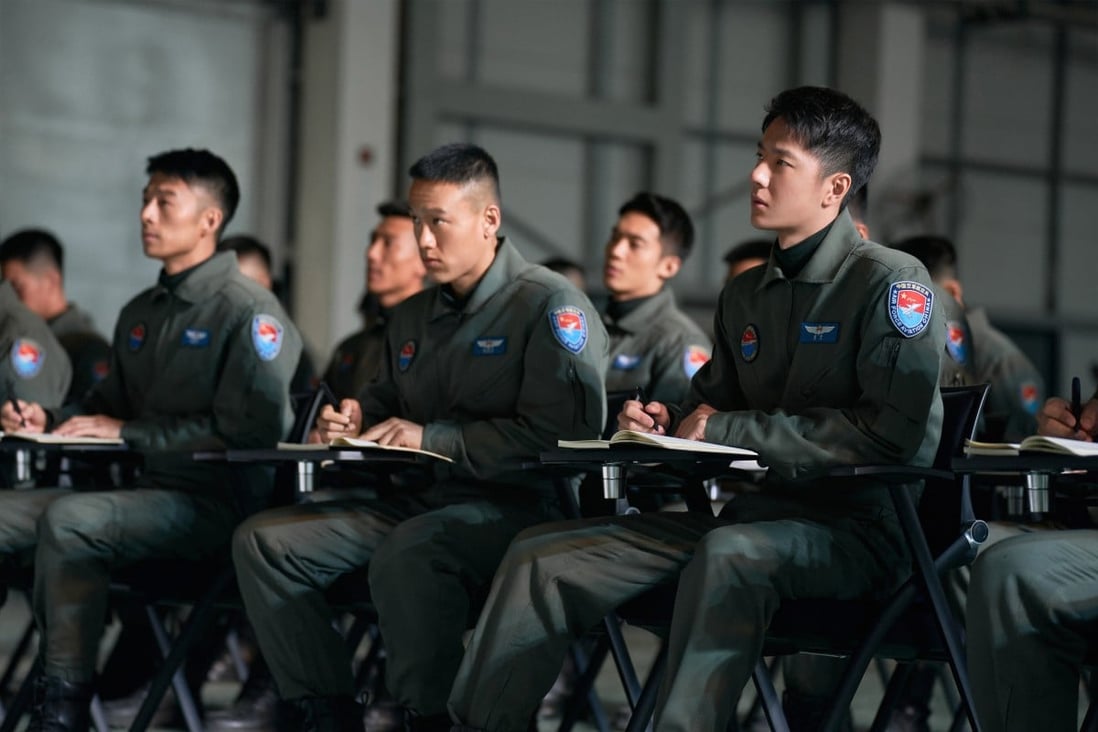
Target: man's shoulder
(884, 259)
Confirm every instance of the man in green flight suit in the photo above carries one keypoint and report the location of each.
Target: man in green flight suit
(488, 368)
(653, 344)
(201, 360)
(33, 260)
(33, 365)
(394, 272)
(829, 355)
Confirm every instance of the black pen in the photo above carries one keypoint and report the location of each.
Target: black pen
(639, 396)
(15, 404)
(1076, 400)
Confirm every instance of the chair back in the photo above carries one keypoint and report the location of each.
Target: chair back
(306, 406)
(946, 505)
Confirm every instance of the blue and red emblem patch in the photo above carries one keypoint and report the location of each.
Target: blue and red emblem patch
(955, 342)
(909, 307)
(694, 358)
(137, 336)
(1031, 397)
(625, 362)
(27, 358)
(406, 355)
(267, 335)
(749, 343)
(569, 326)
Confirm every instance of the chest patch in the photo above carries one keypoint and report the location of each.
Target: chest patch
(100, 369)
(27, 358)
(625, 362)
(406, 356)
(569, 326)
(694, 358)
(819, 333)
(267, 336)
(195, 338)
(909, 307)
(346, 361)
(955, 342)
(1031, 397)
(495, 346)
(136, 337)
(749, 343)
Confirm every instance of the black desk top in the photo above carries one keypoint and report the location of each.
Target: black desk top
(318, 454)
(1027, 462)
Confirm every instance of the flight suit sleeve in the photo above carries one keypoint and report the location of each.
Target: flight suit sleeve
(674, 365)
(35, 370)
(888, 423)
(1017, 392)
(251, 406)
(562, 396)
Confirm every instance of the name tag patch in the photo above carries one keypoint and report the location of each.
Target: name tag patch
(496, 346)
(27, 358)
(625, 362)
(819, 333)
(196, 338)
(909, 307)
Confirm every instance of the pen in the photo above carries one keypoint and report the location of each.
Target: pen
(1076, 400)
(15, 404)
(639, 395)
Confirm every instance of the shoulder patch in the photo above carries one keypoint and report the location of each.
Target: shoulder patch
(955, 342)
(749, 343)
(407, 355)
(1031, 397)
(27, 358)
(569, 326)
(693, 359)
(909, 307)
(267, 334)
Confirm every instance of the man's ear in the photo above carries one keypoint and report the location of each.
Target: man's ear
(211, 218)
(493, 219)
(837, 186)
(669, 266)
(953, 287)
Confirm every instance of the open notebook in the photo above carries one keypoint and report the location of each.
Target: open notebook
(48, 438)
(630, 437)
(1033, 443)
(356, 442)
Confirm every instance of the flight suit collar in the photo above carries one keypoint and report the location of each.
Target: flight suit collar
(504, 267)
(9, 301)
(825, 263)
(205, 280)
(641, 317)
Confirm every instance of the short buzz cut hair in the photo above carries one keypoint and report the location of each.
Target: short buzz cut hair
(838, 131)
(749, 249)
(459, 163)
(937, 254)
(203, 168)
(34, 248)
(676, 228)
(394, 208)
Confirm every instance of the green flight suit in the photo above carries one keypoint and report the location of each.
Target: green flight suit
(1032, 619)
(34, 366)
(494, 381)
(357, 358)
(810, 372)
(961, 347)
(1017, 389)
(89, 352)
(655, 346)
(203, 365)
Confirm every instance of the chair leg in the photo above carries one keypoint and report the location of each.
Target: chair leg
(179, 681)
(622, 659)
(587, 668)
(768, 698)
(23, 698)
(646, 704)
(1090, 722)
(17, 655)
(98, 716)
(894, 690)
(756, 703)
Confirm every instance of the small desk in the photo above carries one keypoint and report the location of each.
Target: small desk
(1036, 468)
(307, 460)
(23, 450)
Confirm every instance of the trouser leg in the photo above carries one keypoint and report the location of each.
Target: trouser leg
(555, 583)
(82, 536)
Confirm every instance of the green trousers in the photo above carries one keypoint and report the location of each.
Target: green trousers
(557, 581)
(83, 536)
(19, 514)
(1032, 618)
(431, 555)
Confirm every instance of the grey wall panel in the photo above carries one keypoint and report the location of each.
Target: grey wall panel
(1077, 279)
(937, 112)
(1081, 112)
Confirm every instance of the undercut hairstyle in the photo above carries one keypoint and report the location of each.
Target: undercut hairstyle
(750, 249)
(34, 249)
(459, 163)
(676, 228)
(245, 246)
(935, 252)
(201, 168)
(838, 131)
(858, 203)
(394, 208)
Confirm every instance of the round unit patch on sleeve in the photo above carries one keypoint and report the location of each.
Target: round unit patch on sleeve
(909, 307)
(1031, 397)
(694, 358)
(569, 326)
(27, 358)
(955, 342)
(267, 335)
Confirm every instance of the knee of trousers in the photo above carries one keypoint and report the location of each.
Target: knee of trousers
(736, 553)
(257, 545)
(76, 523)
